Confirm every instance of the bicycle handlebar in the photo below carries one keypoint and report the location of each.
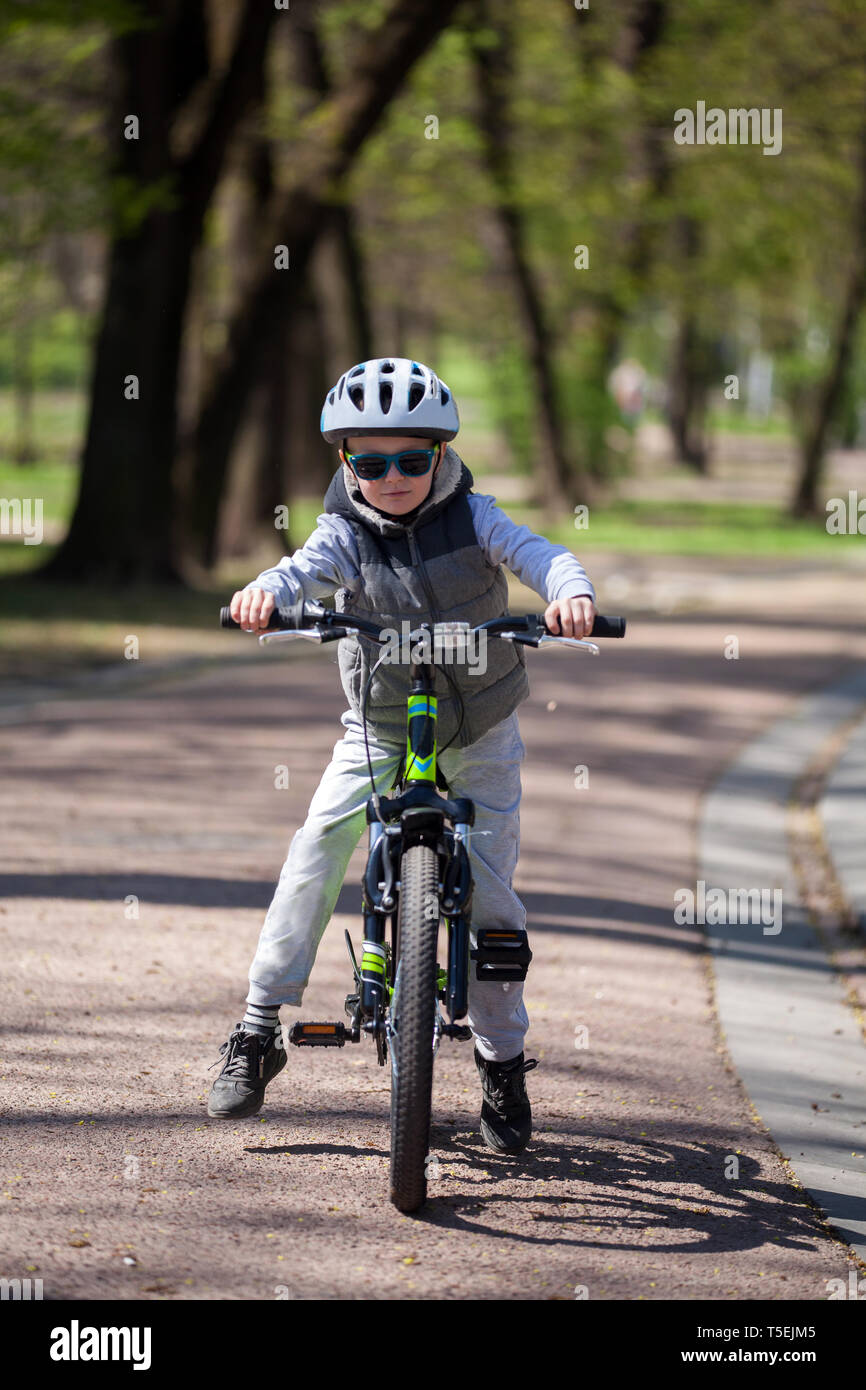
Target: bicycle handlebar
(308, 613)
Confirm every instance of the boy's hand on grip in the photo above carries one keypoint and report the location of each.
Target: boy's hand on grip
(570, 617)
(252, 608)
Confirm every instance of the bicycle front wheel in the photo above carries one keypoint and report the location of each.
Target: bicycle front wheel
(413, 1018)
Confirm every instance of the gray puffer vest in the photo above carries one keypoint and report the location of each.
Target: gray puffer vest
(428, 569)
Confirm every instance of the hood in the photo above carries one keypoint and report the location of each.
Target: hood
(344, 497)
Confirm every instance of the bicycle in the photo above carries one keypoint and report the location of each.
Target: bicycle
(417, 876)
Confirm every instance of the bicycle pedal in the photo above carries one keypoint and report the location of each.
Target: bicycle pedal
(501, 954)
(459, 1031)
(318, 1034)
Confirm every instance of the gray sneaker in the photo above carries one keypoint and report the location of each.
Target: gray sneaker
(251, 1061)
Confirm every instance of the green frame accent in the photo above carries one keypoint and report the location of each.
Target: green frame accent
(421, 767)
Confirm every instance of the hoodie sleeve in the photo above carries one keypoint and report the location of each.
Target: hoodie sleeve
(551, 570)
(328, 561)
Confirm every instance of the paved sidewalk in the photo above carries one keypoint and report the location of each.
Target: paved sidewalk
(792, 1035)
(843, 813)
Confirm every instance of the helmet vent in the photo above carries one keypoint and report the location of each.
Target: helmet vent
(416, 395)
(386, 367)
(386, 391)
(356, 396)
(331, 399)
(446, 395)
(340, 391)
(357, 371)
(416, 370)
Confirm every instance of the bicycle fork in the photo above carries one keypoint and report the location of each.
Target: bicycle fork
(452, 902)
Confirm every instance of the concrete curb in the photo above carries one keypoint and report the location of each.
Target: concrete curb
(843, 813)
(791, 1035)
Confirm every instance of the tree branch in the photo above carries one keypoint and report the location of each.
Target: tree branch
(201, 169)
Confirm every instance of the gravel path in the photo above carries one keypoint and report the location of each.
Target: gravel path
(115, 1182)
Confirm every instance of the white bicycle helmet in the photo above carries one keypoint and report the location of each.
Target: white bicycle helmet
(389, 395)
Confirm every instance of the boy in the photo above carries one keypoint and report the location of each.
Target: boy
(401, 538)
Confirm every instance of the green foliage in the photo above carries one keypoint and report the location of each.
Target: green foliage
(53, 89)
(596, 164)
(511, 399)
(755, 249)
(60, 357)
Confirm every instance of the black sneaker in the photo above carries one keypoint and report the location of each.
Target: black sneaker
(251, 1062)
(506, 1115)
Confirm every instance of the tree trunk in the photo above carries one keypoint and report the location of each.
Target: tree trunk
(24, 445)
(805, 501)
(238, 529)
(298, 372)
(274, 443)
(641, 31)
(246, 506)
(334, 134)
(688, 398)
(122, 530)
(310, 460)
(493, 71)
(355, 281)
(690, 370)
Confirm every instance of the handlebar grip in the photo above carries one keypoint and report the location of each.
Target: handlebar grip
(608, 627)
(290, 617)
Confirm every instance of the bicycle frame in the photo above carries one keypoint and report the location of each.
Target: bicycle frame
(417, 814)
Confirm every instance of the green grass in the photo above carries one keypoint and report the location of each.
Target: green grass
(732, 418)
(736, 421)
(55, 483)
(692, 528)
(47, 630)
(58, 425)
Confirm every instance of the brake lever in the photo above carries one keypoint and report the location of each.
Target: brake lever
(310, 634)
(546, 638)
(570, 642)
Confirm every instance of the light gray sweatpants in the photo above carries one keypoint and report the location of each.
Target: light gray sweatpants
(488, 771)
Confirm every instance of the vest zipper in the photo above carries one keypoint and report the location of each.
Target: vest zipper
(415, 552)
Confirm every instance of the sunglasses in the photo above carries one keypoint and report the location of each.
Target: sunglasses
(412, 463)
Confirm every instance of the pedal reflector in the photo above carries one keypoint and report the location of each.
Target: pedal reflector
(501, 954)
(317, 1034)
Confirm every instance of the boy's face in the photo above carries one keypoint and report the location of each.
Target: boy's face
(394, 493)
